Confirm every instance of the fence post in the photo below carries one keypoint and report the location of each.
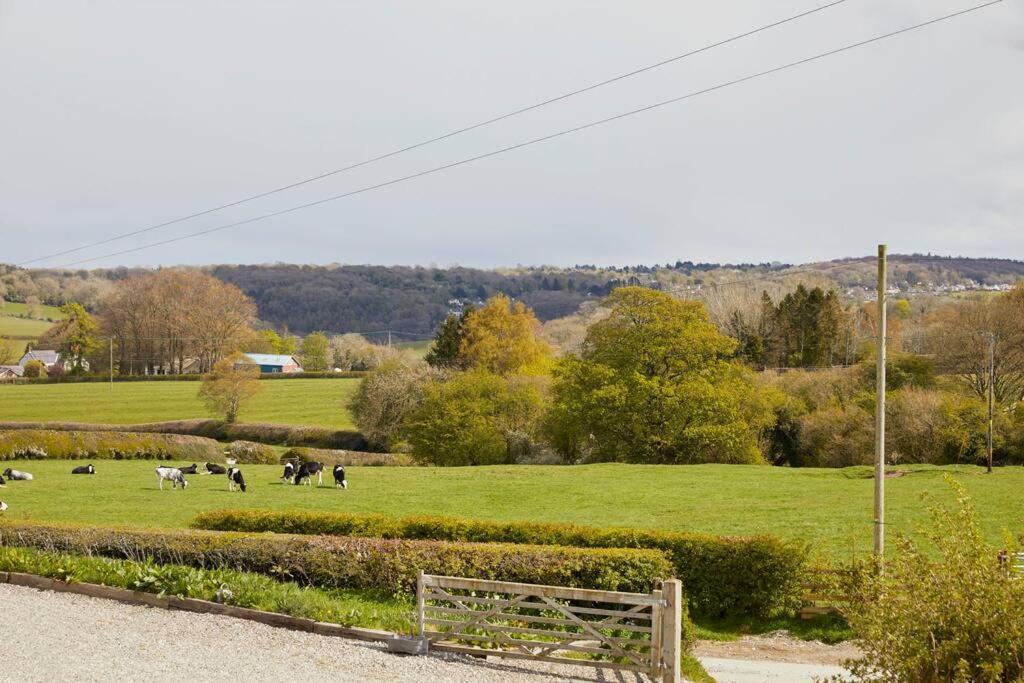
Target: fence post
(419, 603)
(671, 631)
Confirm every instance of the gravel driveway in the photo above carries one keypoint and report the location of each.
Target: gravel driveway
(55, 637)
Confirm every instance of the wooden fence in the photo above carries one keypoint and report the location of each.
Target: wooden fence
(623, 631)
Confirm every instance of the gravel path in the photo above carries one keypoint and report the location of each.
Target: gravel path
(51, 637)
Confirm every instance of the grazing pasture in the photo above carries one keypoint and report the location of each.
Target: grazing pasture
(285, 401)
(830, 508)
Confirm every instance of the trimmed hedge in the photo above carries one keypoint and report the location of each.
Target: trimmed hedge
(250, 452)
(83, 379)
(277, 434)
(31, 444)
(758, 575)
(347, 458)
(340, 562)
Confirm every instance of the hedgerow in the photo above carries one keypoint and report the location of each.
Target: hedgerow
(349, 562)
(31, 444)
(276, 434)
(250, 452)
(86, 379)
(757, 575)
(243, 589)
(347, 458)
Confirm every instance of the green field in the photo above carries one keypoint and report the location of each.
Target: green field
(831, 508)
(284, 401)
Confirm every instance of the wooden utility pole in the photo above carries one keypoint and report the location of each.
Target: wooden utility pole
(111, 363)
(991, 393)
(880, 409)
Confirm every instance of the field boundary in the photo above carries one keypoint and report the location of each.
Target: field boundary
(94, 379)
(173, 602)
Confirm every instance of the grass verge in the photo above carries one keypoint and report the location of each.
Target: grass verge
(366, 608)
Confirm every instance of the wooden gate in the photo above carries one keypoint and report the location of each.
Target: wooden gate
(624, 631)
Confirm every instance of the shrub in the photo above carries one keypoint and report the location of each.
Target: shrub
(340, 562)
(249, 452)
(347, 458)
(475, 418)
(34, 368)
(758, 575)
(837, 437)
(34, 444)
(951, 613)
(386, 396)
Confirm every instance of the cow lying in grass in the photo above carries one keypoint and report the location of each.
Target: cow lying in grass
(191, 469)
(84, 469)
(171, 474)
(15, 475)
(214, 468)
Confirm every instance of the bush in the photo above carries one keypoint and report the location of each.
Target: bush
(758, 575)
(385, 397)
(952, 612)
(339, 562)
(34, 444)
(287, 435)
(347, 458)
(475, 418)
(837, 437)
(249, 452)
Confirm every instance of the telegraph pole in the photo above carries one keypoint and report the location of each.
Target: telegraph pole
(111, 363)
(991, 393)
(880, 409)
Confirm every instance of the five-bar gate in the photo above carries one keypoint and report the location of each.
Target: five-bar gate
(624, 631)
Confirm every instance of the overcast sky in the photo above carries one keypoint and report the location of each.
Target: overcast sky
(118, 115)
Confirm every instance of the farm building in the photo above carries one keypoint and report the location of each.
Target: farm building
(9, 372)
(51, 359)
(271, 362)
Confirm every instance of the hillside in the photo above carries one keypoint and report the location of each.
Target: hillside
(415, 299)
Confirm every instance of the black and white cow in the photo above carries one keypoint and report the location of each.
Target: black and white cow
(214, 468)
(171, 474)
(15, 475)
(289, 472)
(235, 479)
(2, 482)
(84, 469)
(191, 469)
(339, 477)
(306, 472)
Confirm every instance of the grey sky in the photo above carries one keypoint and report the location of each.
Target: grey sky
(118, 115)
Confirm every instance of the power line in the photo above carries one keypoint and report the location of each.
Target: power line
(445, 136)
(545, 138)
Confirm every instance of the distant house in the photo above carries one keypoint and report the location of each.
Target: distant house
(271, 362)
(50, 359)
(9, 372)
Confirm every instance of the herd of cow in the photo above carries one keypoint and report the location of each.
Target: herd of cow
(294, 473)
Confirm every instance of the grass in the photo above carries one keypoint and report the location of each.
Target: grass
(832, 509)
(419, 347)
(291, 401)
(373, 609)
(45, 312)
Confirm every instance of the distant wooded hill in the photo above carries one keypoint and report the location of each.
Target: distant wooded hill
(416, 299)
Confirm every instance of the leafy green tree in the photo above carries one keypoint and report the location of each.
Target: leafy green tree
(474, 418)
(74, 335)
(444, 352)
(35, 368)
(655, 382)
(803, 328)
(315, 352)
(501, 337)
(233, 381)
